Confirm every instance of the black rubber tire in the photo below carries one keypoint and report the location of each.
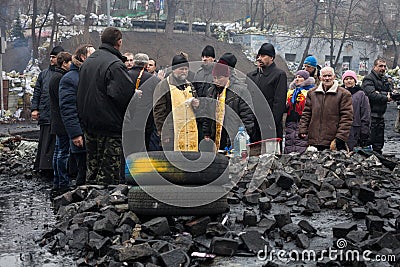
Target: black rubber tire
(142, 204)
(218, 167)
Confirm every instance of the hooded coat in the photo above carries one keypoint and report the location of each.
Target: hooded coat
(295, 103)
(359, 132)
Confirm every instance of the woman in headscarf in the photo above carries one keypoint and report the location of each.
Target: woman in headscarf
(295, 103)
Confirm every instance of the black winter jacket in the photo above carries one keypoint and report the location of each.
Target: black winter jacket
(104, 92)
(57, 126)
(272, 82)
(41, 98)
(68, 109)
(376, 88)
(237, 104)
(203, 80)
(139, 107)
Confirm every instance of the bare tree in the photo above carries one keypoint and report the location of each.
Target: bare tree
(35, 44)
(171, 12)
(209, 8)
(348, 19)
(311, 33)
(86, 24)
(391, 27)
(54, 24)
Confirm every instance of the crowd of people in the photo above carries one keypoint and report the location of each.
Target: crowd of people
(88, 104)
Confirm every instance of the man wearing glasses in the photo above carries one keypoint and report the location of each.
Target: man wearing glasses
(377, 87)
(41, 112)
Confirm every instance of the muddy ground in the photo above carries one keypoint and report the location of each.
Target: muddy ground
(26, 211)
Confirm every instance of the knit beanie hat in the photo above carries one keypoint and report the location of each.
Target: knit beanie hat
(208, 51)
(57, 49)
(303, 73)
(229, 58)
(179, 61)
(267, 49)
(221, 68)
(349, 73)
(311, 61)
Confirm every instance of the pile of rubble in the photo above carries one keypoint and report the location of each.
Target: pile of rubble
(310, 203)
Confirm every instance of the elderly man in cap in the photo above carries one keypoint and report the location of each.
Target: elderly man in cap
(41, 112)
(272, 82)
(174, 109)
(328, 114)
(227, 91)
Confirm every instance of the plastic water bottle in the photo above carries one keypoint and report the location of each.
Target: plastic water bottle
(242, 139)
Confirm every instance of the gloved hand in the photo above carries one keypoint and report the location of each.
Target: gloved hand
(340, 144)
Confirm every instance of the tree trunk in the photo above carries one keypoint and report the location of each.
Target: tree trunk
(171, 11)
(54, 24)
(208, 28)
(33, 32)
(313, 23)
(86, 35)
(254, 15)
(346, 27)
(42, 25)
(262, 19)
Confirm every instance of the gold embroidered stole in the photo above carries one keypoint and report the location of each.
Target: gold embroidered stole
(219, 115)
(185, 126)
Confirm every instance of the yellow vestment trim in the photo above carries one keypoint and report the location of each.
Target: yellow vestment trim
(185, 126)
(219, 116)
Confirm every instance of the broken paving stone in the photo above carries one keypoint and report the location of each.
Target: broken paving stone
(251, 198)
(129, 218)
(216, 229)
(381, 209)
(359, 212)
(264, 204)
(233, 199)
(63, 200)
(135, 252)
(158, 226)
(80, 238)
(374, 223)
(224, 246)
(307, 227)
(282, 219)
(173, 258)
(104, 226)
(387, 240)
(302, 241)
(357, 236)
(285, 180)
(274, 190)
(101, 246)
(325, 195)
(327, 187)
(342, 229)
(267, 224)
(290, 230)
(253, 241)
(249, 218)
(366, 194)
(310, 179)
(198, 226)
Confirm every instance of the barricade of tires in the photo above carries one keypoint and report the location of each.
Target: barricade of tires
(179, 172)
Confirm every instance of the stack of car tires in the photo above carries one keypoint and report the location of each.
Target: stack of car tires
(169, 183)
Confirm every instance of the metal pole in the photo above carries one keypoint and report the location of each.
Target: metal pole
(2, 48)
(108, 13)
(1, 85)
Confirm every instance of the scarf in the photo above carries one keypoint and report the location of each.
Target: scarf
(219, 115)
